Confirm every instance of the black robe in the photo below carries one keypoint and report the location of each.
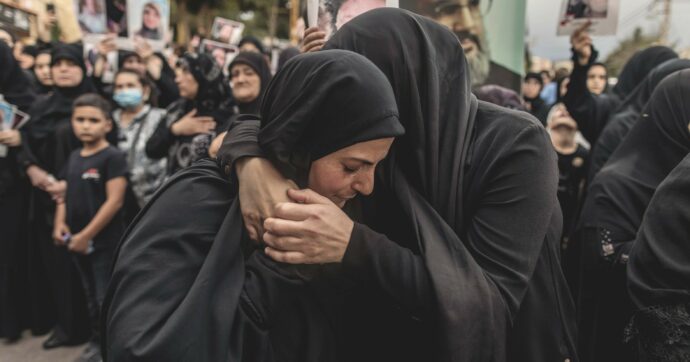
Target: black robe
(631, 109)
(613, 210)
(255, 309)
(447, 268)
(15, 301)
(658, 274)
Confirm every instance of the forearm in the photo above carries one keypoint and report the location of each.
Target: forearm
(240, 143)
(60, 212)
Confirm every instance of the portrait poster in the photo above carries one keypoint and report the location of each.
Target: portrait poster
(148, 19)
(330, 15)
(603, 14)
(227, 31)
(223, 53)
(492, 33)
(92, 19)
(16, 19)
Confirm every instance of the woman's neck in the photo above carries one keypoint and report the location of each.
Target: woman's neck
(127, 115)
(566, 147)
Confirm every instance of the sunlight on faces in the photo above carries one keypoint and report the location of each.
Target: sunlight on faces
(186, 83)
(90, 124)
(66, 74)
(343, 174)
(246, 84)
(596, 79)
(42, 69)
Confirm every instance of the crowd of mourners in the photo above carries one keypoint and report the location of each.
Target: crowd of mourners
(362, 202)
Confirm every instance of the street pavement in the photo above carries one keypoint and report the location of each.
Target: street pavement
(28, 349)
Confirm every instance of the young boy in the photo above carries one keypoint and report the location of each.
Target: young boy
(89, 222)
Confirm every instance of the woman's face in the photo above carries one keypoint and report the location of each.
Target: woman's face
(596, 79)
(129, 81)
(186, 83)
(152, 18)
(348, 172)
(134, 63)
(246, 84)
(66, 74)
(42, 69)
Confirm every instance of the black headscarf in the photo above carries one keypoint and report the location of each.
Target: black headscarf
(621, 192)
(258, 63)
(254, 40)
(637, 68)
(150, 315)
(285, 55)
(14, 86)
(631, 109)
(474, 303)
(214, 96)
(50, 115)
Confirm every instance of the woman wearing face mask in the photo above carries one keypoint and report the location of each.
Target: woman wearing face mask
(48, 142)
(190, 123)
(249, 77)
(137, 121)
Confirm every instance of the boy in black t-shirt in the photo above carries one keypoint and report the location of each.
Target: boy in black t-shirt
(89, 222)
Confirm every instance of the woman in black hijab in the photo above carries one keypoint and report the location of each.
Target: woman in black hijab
(613, 210)
(466, 266)
(15, 89)
(658, 275)
(630, 112)
(243, 81)
(48, 142)
(219, 298)
(189, 126)
(593, 112)
(501, 96)
(157, 70)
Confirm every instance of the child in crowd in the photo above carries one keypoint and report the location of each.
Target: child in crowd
(89, 222)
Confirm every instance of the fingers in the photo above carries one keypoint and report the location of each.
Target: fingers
(307, 196)
(314, 39)
(289, 257)
(283, 243)
(283, 227)
(191, 113)
(293, 211)
(313, 46)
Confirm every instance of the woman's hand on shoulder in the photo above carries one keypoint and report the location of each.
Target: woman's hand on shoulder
(261, 188)
(311, 230)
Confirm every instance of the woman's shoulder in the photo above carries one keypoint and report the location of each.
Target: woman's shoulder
(499, 128)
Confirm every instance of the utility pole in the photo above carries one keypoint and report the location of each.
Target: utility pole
(665, 26)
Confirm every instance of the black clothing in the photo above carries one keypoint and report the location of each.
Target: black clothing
(285, 55)
(254, 40)
(257, 310)
(593, 112)
(86, 191)
(500, 96)
(613, 210)
(658, 276)
(258, 64)
(572, 171)
(538, 108)
(213, 99)
(443, 196)
(630, 111)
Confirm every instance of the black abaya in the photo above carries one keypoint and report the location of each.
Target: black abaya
(254, 309)
(452, 201)
(613, 210)
(631, 109)
(658, 274)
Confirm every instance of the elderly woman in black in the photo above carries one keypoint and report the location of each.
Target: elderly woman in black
(613, 210)
(218, 297)
(186, 131)
(459, 258)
